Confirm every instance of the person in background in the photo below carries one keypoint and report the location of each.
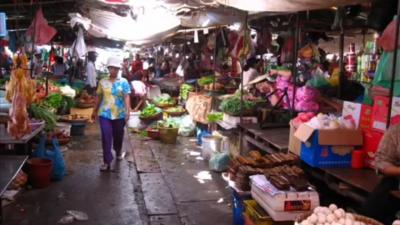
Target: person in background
(37, 64)
(91, 74)
(382, 205)
(250, 70)
(59, 68)
(125, 69)
(113, 109)
(137, 66)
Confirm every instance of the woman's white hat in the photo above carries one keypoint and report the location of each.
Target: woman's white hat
(114, 62)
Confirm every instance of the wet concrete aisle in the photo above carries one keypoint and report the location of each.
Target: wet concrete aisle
(177, 186)
(107, 198)
(156, 184)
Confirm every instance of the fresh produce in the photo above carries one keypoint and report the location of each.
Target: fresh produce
(331, 215)
(231, 105)
(214, 87)
(184, 91)
(43, 113)
(149, 111)
(215, 117)
(177, 109)
(168, 123)
(54, 101)
(205, 80)
(66, 90)
(20, 91)
(164, 99)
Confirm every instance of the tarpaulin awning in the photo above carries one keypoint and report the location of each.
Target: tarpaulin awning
(287, 5)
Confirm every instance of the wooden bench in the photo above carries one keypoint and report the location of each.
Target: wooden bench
(9, 168)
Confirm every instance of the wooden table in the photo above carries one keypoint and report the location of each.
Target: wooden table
(356, 184)
(22, 144)
(275, 138)
(9, 168)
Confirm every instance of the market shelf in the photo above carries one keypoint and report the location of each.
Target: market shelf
(272, 139)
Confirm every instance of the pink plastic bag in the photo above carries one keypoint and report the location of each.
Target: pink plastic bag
(387, 40)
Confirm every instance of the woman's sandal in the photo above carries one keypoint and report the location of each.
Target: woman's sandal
(105, 168)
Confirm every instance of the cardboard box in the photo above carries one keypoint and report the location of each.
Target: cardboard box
(294, 142)
(372, 139)
(327, 148)
(366, 116)
(352, 111)
(380, 113)
(395, 112)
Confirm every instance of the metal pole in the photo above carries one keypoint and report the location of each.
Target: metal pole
(294, 63)
(33, 42)
(341, 61)
(241, 93)
(392, 81)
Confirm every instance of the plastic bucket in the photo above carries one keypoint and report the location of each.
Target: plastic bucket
(209, 145)
(40, 172)
(65, 128)
(168, 135)
(78, 129)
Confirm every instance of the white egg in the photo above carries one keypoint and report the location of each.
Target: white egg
(350, 216)
(317, 209)
(341, 221)
(339, 213)
(333, 207)
(396, 222)
(336, 223)
(321, 218)
(305, 222)
(330, 218)
(327, 223)
(362, 223)
(313, 218)
(348, 221)
(326, 210)
(357, 223)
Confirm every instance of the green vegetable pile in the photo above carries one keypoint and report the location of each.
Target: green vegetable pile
(57, 101)
(231, 105)
(168, 123)
(184, 91)
(205, 80)
(164, 99)
(149, 111)
(41, 112)
(215, 117)
(175, 109)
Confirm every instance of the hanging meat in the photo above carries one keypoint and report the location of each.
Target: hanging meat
(21, 93)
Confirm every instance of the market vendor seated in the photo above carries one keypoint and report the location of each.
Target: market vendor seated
(59, 69)
(381, 204)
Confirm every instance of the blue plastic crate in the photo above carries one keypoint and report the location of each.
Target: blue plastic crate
(322, 156)
(238, 207)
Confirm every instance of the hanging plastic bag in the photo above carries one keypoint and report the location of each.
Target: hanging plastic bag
(383, 73)
(54, 155)
(386, 41)
(219, 162)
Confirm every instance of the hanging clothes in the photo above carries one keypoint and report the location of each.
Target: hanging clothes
(42, 32)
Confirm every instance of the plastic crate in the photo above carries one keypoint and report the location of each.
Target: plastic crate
(247, 220)
(238, 207)
(322, 156)
(256, 217)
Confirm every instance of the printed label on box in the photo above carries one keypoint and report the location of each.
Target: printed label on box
(352, 111)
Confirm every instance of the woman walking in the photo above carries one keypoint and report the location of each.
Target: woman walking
(113, 109)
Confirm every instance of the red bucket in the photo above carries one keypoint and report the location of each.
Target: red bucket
(357, 159)
(40, 172)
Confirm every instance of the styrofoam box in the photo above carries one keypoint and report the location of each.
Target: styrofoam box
(276, 215)
(283, 200)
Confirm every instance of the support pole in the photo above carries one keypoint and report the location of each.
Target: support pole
(392, 81)
(341, 61)
(241, 95)
(294, 62)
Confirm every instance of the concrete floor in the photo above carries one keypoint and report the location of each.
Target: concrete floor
(156, 184)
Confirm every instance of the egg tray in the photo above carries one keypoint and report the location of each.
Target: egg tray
(360, 218)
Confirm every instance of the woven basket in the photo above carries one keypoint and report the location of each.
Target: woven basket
(360, 218)
(175, 113)
(163, 106)
(157, 116)
(82, 105)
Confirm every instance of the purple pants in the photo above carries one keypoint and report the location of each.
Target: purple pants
(112, 135)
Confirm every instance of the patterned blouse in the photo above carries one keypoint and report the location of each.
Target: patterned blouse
(389, 149)
(112, 105)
